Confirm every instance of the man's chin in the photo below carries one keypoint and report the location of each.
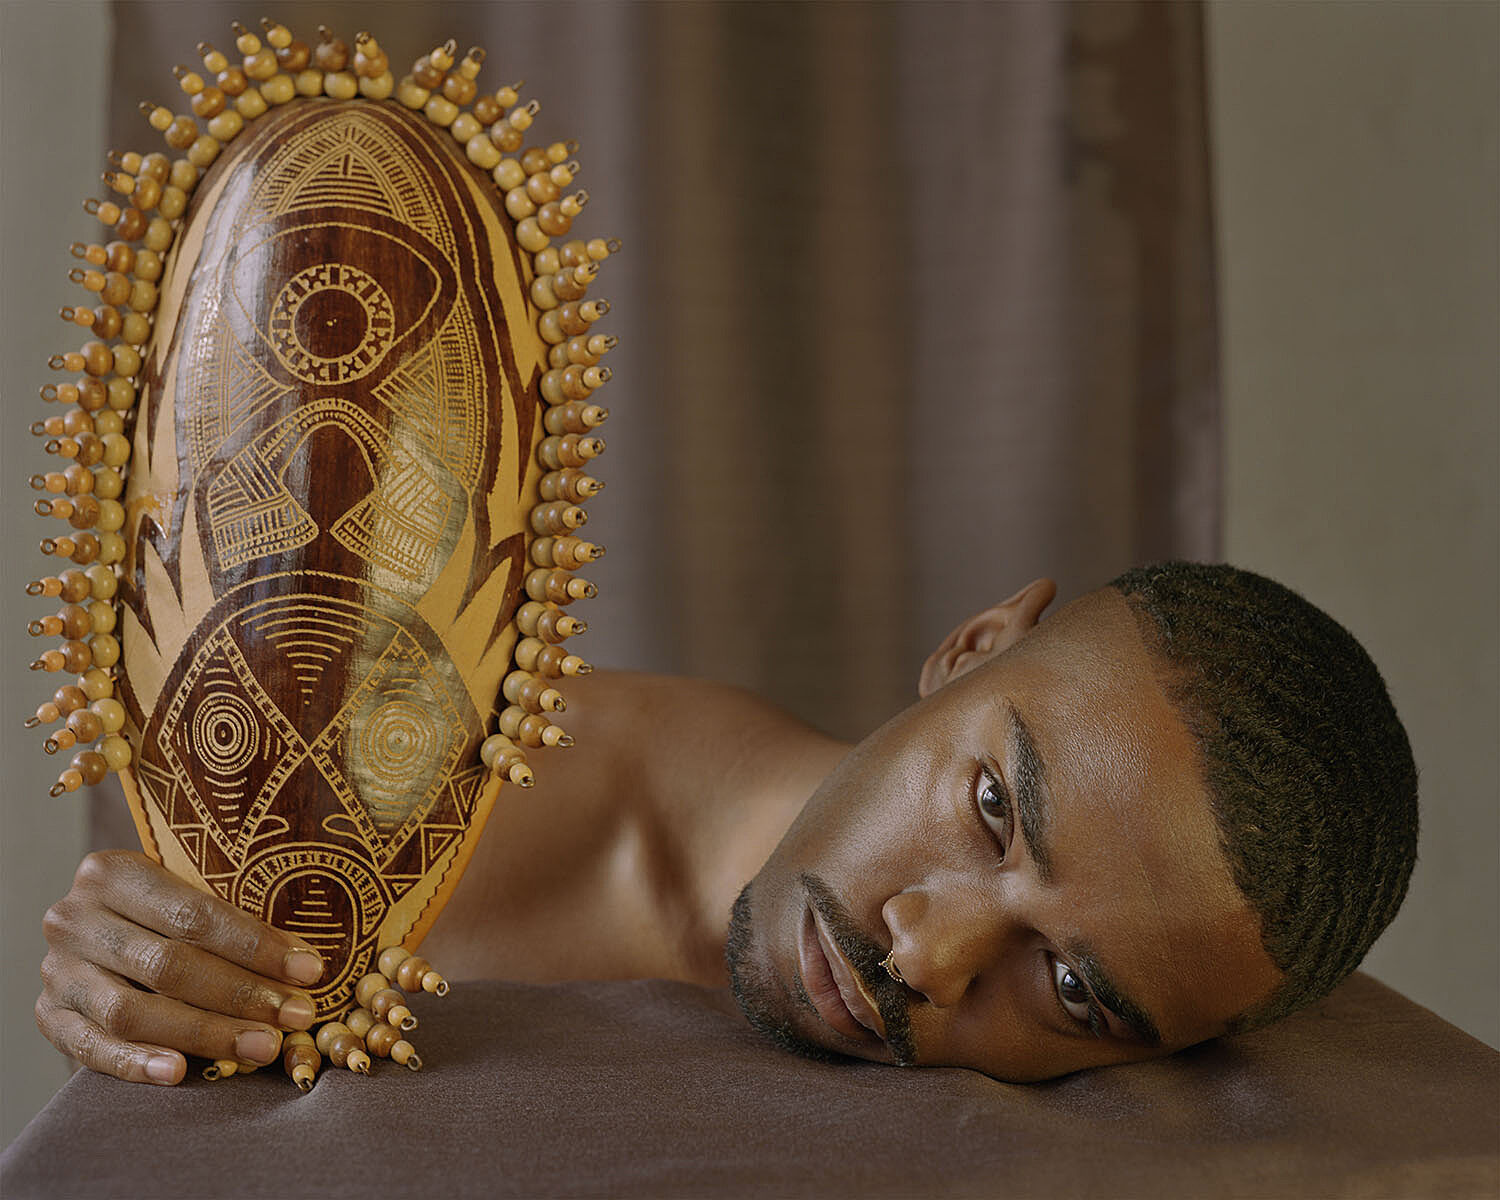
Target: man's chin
(757, 991)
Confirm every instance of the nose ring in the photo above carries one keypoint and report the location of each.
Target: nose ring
(891, 969)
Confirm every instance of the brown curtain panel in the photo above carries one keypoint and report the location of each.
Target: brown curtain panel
(916, 304)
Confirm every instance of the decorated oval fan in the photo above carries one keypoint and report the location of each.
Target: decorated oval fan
(320, 471)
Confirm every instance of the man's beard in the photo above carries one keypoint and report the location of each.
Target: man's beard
(755, 988)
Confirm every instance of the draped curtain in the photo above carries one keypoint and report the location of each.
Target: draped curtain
(916, 303)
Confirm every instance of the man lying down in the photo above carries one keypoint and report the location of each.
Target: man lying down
(1180, 806)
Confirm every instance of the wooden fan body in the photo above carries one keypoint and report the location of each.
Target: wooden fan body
(327, 526)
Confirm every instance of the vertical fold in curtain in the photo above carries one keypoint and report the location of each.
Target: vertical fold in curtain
(916, 304)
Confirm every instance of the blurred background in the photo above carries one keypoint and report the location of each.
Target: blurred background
(919, 302)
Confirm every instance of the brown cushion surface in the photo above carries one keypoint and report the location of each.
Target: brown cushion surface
(660, 1089)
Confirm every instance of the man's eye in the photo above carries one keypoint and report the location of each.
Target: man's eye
(1075, 998)
(995, 807)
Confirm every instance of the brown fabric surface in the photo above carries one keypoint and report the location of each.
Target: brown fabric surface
(660, 1089)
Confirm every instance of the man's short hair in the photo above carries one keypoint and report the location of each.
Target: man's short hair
(1308, 768)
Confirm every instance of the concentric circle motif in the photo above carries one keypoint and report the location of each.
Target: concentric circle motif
(331, 323)
(399, 741)
(226, 733)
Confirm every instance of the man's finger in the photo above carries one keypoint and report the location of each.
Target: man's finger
(82, 1040)
(130, 1015)
(174, 969)
(151, 896)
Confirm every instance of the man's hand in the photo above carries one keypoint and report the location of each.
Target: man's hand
(223, 985)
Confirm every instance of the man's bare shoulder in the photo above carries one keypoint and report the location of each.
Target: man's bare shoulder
(625, 857)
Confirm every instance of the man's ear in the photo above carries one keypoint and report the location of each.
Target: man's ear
(985, 635)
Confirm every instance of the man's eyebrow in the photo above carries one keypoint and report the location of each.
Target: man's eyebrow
(1030, 785)
(1109, 995)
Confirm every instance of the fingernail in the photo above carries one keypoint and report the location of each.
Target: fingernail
(256, 1045)
(302, 966)
(296, 1012)
(162, 1068)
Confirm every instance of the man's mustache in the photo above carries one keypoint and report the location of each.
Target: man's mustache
(865, 955)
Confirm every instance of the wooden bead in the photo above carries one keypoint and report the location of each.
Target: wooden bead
(370, 60)
(405, 1054)
(380, 1037)
(346, 1050)
(293, 58)
(108, 484)
(568, 450)
(300, 1058)
(557, 516)
(530, 236)
(532, 694)
(73, 621)
(46, 713)
(359, 1021)
(464, 127)
(568, 552)
(111, 716)
(368, 985)
(251, 104)
(486, 110)
(90, 765)
(220, 1068)
(481, 151)
(440, 110)
(86, 726)
(69, 699)
(116, 751)
(111, 547)
(560, 587)
(508, 175)
(329, 1030)
(502, 756)
(104, 650)
(574, 416)
(535, 730)
(209, 103)
(96, 684)
(227, 124)
(102, 582)
(415, 974)
(261, 65)
(569, 484)
(69, 781)
(63, 739)
(340, 85)
(389, 1005)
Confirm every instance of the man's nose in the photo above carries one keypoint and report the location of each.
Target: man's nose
(944, 934)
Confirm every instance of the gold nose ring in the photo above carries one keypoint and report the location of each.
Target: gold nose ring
(891, 969)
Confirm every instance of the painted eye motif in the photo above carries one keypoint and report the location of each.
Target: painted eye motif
(1071, 992)
(331, 322)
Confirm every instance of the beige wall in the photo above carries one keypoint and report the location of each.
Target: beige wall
(1356, 169)
(52, 83)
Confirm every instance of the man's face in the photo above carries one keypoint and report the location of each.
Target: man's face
(1033, 843)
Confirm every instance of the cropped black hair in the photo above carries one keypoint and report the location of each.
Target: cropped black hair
(1308, 768)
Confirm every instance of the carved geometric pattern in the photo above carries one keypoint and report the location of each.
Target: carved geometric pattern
(221, 719)
(399, 735)
(330, 323)
(356, 162)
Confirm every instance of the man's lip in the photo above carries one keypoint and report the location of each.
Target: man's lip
(846, 1005)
